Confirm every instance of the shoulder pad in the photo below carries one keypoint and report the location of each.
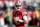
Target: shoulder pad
(24, 12)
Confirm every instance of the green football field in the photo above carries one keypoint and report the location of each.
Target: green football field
(33, 26)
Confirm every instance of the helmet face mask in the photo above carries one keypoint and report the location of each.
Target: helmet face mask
(18, 5)
(18, 8)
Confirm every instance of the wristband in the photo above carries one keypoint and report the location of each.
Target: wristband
(20, 20)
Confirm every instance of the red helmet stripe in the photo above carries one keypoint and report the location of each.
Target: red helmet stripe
(18, 2)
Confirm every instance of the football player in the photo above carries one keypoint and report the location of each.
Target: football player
(19, 15)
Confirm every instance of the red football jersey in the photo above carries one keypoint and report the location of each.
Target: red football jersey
(19, 15)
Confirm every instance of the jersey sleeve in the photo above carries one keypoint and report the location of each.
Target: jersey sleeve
(25, 18)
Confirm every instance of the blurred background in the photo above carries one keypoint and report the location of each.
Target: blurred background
(31, 6)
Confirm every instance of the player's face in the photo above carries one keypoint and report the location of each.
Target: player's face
(18, 7)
